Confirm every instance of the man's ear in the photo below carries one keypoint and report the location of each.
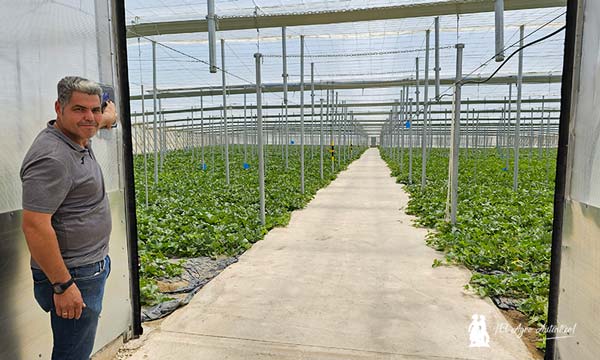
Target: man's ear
(57, 108)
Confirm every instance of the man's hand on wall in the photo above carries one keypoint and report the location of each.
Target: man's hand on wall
(109, 116)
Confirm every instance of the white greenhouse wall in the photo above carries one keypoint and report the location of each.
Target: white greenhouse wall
(41, 43)
(578, 304)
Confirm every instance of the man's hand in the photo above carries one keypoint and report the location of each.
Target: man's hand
(43, 245)
(69, 305)
(109, 116)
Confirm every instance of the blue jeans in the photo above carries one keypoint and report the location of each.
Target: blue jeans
(74, 339)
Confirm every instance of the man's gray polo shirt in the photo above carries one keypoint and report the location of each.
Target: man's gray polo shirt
(62, 178)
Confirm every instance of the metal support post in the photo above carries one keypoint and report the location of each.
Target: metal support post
(338, 116)
(144, 146)
(400, 125)
(475, 149)
(155, 126)
(261, 164)
(321, 139)
(202, 131)
(410, 140)
(531, 135)
(467, 129)
(312, 106)
(401, 122)
(498, 150)
(213, 142)
(437, 58)
(508, 124)
(541, 130)
(331, 139)
(162, 133)
(416, 116)
(190, 135)
(446, 125)
(302, 114)
(280, 136)
(518, 124)
(477, 136)
(343, 132)
(425, 115)
(245, 133)
(453, 165)
(225, 130)
(285, 95)
(395, 129)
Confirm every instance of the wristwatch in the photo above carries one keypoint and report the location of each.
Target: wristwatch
(60, 288)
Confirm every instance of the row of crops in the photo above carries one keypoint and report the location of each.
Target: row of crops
(192, 212)
(503, 236)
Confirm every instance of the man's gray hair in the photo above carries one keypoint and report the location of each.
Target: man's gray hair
(67, 85)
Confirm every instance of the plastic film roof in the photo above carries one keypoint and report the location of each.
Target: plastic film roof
(154, 10)
(359, 51)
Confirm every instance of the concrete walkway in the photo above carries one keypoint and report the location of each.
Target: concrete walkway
(349, 278)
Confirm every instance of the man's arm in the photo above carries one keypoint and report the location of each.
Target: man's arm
(43, 245)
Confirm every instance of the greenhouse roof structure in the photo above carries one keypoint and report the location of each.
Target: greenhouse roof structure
(365, 50)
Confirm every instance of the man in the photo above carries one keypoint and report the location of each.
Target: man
(66, 217)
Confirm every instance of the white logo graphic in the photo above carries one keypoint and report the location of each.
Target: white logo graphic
(478, 335)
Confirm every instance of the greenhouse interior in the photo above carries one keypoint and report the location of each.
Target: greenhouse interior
(325, 179)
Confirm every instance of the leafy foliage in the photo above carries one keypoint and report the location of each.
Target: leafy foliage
(192, 212)
(504, 236)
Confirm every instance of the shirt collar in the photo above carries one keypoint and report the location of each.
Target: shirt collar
(57, 132)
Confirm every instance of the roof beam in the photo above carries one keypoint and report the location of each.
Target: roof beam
(355, 113)
(336, 16)
(343, 85)
(379, 123)
(349, 105)
(276, 120)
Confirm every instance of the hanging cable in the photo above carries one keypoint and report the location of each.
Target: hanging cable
(506, 48)
(503, 63)
(485, 63)
(513, 54)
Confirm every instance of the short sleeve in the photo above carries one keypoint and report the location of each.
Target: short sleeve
(46, 183)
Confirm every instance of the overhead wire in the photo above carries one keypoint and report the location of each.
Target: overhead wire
(444, 93)
(513, 54)
(515, 43)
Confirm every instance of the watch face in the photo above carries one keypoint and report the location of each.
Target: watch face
(57, 289)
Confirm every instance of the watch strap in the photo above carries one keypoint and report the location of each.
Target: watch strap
(60, 288)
